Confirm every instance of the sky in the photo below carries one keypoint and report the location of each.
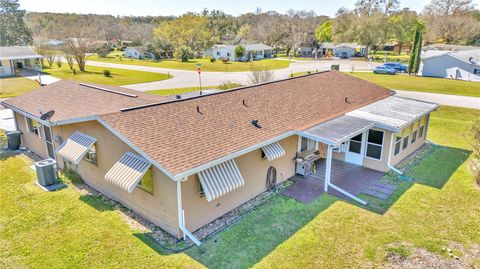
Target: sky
(178, 7)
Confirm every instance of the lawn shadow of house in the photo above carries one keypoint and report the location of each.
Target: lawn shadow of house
(97, 202)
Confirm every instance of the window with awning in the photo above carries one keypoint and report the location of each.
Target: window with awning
(220, 179)
(273, 151)
(76, 146)
(127, 172)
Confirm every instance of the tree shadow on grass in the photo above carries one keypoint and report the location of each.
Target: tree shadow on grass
(97, 202)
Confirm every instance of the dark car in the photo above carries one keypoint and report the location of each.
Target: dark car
(399, 67)
(382, 69)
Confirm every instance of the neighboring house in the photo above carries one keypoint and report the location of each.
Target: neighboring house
(348, 50)
(252, 52)
(463, 65)
(138, 53)
(395, 47)
(447, 47)
(17, 57)
(207, 155)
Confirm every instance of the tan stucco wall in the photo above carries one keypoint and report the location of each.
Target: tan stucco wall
(31, 140)
(198, 211)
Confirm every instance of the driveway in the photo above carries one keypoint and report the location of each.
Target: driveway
(185, 78)
(442, 99)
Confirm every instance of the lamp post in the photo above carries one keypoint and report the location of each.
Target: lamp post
(199, 77)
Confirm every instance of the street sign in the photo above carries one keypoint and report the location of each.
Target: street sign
(198, 70)
(198, 65)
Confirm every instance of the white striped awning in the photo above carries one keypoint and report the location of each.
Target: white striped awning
(75, 147)
(220, 179)
(128, 171)
(273, 151)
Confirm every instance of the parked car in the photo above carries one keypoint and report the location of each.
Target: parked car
(397, 66)
(382, 69)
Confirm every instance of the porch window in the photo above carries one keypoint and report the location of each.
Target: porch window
(398, 143)
(91, 155)
(146, 183)
(375, 144)
(406, 136)
(356, 144)
(33, 126)
(422, 126)
(415, 131)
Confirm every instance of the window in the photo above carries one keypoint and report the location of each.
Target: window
(91, 155)
(406, 136)
(415, 131)
(218, 53)
(398, 143)
(476, 71)
(356, 144)
(146, 183)
(33, 126)
(307, 144)
(228, 54)
(375, 144)
(422, 126)
(200, 189)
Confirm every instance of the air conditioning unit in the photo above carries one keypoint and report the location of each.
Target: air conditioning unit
(46, 172)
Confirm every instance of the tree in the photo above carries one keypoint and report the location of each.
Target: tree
(239, 51)
(260, 74)
(102, 50)
(323, 33)
(413, 55)
(183, 53)
(449, 7)
(371, 31)
(13, 31)
(401, 27)
(416, 66)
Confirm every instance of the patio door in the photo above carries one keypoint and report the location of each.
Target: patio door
(354, 153)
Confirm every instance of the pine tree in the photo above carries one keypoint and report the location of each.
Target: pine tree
(417, 55)
(411, 61)
(13, 30)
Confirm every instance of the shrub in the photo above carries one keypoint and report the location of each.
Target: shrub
(475, 141)
(103, 51)
(212, 59)
(225, 60)
(229, 85)
(183, 53)
(239, 51)
(107, 73)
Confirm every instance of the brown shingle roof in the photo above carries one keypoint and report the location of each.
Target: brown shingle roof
(71, 100)
(179, 138)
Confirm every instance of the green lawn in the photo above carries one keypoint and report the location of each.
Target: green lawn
(422, 84)
(95, 75)
(207, 66)
(167, 92)
(10, 87)
(62, 229)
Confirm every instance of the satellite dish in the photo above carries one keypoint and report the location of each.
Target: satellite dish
(48, 115)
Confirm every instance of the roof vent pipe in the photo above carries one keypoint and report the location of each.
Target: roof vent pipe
(256, 124)
(178, 96)
(198, 110)
(244, 103)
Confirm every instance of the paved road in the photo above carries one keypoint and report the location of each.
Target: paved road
(185, 78)
(442, 99)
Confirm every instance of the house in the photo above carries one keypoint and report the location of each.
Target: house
(17, 57)
(463, 65)
(252, 52)
(447, 47)
(348, 50)
(138, 53)
(183, 163)
(395, 47)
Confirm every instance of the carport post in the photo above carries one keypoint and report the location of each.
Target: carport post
(328, 167)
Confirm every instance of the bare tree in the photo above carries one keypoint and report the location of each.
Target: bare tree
(260, 74)
(448, 7)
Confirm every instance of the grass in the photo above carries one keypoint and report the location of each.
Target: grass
(67, 229)
(94, 74)
(422, 84)
(10, 87)
(191, 65)
(167, 92)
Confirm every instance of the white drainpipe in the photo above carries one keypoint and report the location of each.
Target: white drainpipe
(392, 148)
(181, 216)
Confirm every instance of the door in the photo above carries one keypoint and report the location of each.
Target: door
(48, 141)
(355, 148)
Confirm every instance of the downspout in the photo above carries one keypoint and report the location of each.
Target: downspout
(389, 164)
(181, 216)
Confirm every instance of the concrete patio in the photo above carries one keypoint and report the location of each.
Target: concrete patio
(352, 178)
